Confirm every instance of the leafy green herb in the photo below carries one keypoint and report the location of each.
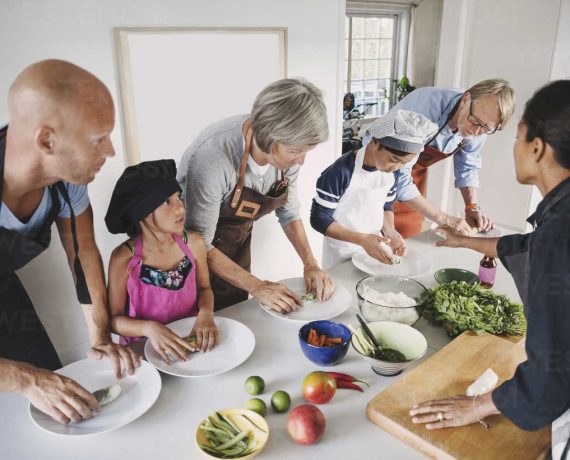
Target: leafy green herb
(460, 306)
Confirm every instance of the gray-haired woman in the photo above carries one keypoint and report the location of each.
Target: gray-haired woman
(244, 167)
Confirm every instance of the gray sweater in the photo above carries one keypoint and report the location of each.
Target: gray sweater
(208, 174)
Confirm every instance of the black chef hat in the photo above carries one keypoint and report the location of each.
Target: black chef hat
(139, 191)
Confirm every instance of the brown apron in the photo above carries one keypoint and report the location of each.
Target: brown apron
(235, 223)
(408, 222)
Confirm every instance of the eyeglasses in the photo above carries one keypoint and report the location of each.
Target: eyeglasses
(475, 121)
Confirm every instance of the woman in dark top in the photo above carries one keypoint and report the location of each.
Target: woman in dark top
(539, 392)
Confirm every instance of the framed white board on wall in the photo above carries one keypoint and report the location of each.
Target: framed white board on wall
(174, 82)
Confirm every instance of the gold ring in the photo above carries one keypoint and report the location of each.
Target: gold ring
(440, 416)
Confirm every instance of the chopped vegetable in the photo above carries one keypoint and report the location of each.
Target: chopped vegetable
(460, 306)
(321, 340)
(225, 439)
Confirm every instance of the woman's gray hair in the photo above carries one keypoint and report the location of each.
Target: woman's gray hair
(289, 111)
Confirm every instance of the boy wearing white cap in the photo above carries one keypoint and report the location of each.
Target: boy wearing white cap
(354, 198)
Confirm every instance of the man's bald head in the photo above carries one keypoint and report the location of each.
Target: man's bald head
(61, 118)
(49, 90)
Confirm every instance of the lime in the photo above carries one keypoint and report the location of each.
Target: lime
(256, 405)
(280, 401)
(254, 385)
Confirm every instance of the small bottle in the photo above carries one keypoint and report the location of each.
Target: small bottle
(487, 271)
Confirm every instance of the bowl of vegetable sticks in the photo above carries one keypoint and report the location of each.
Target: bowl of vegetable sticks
(324, 342)
(232, 433)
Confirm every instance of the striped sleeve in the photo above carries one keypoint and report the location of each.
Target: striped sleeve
(331, 186)
(391, 197)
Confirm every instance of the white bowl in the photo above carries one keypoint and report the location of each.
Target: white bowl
(389, 334)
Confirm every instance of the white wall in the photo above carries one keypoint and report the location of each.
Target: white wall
(512, 39)
(81, 31)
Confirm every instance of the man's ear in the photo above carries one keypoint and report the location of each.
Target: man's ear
(45, 139)
(538, 149)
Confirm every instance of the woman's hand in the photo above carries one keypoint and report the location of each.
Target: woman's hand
(454, 239)
(276, 296)
(206, 331)
(450, 412)
(166, 343)
(316, 280)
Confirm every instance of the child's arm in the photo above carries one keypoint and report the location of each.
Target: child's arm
(163, 340)
(368, 241)
(205, 328)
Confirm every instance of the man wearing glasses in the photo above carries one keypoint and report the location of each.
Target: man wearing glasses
(465, 119)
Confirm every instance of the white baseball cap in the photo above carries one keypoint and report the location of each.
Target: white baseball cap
(402, 130)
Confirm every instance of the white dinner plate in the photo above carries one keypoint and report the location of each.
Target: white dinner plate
(413, 263)
(313, 311)
(138, 393)
(235, 343)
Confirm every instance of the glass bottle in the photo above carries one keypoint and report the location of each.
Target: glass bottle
(487, 271)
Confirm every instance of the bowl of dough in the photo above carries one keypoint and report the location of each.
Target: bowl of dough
(391, 298)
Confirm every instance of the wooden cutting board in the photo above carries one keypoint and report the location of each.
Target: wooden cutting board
(448, 373)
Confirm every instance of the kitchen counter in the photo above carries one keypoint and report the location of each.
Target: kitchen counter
(167, 430)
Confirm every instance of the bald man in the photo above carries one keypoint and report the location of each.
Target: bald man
(61, 117)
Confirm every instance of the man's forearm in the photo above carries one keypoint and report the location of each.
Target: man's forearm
(96, 314)
(469, 195)
(12, 378)
(427, 209)
(296, 234)
(229, 271)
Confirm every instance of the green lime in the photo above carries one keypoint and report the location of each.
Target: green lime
(256, 405)
(254, 385)
(280, 401)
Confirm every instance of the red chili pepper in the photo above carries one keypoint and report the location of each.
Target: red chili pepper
(339, 377)
(348, 385)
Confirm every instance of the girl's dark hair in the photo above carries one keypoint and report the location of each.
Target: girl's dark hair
(547, 116)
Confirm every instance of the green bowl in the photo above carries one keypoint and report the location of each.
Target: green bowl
(446, 275)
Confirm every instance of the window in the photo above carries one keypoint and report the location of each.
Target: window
(375, 52)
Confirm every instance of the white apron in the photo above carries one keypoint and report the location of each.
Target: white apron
(561, 436)
(360, 209)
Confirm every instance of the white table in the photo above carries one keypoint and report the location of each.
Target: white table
(167, 430)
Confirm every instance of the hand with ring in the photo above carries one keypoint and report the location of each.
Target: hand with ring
(453, 412)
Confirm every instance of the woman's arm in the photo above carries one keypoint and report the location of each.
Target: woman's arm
(487, 246)
(205, 327)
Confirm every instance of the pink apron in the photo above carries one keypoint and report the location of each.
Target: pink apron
(163, 305)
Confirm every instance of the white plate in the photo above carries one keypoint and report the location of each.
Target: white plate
(493, 233)
(413, 263)
(313, 311)
(138, 394)
(235, 343)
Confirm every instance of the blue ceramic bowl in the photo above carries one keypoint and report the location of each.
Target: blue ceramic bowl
(325, 356)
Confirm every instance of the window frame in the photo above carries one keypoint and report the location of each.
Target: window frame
(401, 14)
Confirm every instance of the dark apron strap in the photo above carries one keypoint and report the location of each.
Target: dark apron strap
(80, 282)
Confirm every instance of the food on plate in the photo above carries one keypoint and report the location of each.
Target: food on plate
(280, 401)
(321, 340)
(388, 250)
(107, 395)
(191, 340)
(254, 385)
(226, 440)
(486, 382)
(319, 387)
(460, 306)
(306, 424)
(308, 298)
(256, 405)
